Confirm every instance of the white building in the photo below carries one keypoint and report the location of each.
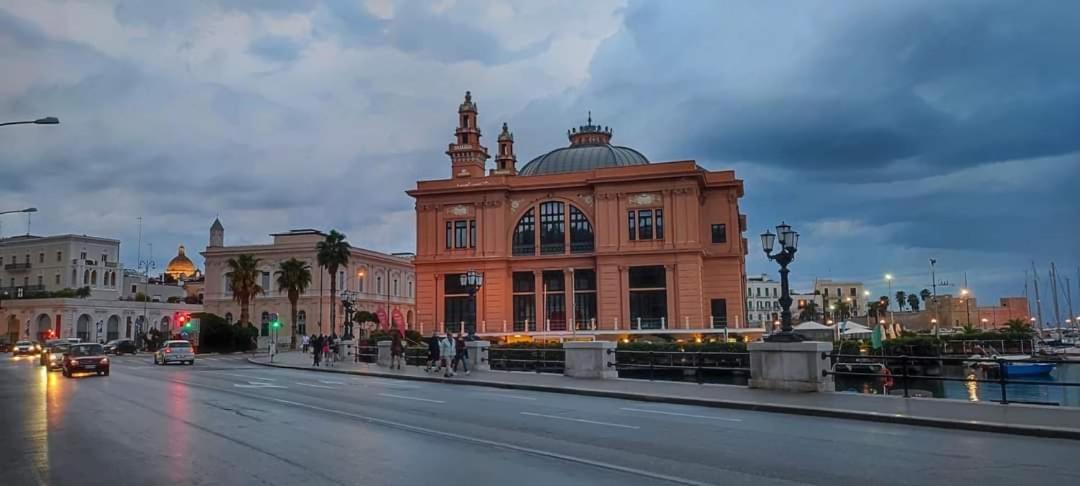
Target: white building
(762, 301)
(31, 264)
(832, 291)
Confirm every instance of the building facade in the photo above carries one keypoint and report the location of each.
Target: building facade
(382, 284)
(91, 319)
(591, 238)
(30, 264)
(851, 292)
(762, 301)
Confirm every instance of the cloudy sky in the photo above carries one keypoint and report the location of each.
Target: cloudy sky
(886, 132)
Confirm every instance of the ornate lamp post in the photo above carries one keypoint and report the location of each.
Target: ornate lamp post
(472, 281)
(348, 300)
(789, 244)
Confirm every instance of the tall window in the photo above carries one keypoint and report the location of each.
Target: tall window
(585, 298)
(719, 313)
(719, 233)
(265, 284)
(472, 233)
(59, 255)
(659, 224)
(461, 234)
(524, 235)
(524, 302)
(301, 323)
(41, 258)
(57, 281)
(581, 232)
(648, 297)
(641, 226)
(460, 307)
(631, 225)
(449, 235)
(554, 300)
(552, 228)
(461, 239)
(644, 224)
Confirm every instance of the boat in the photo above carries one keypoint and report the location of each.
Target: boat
(1015, 365)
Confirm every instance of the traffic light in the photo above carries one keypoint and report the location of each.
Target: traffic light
(275, 323)
(183, 319)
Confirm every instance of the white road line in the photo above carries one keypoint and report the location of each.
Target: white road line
(328, 382)
(503, 395)
(316, 386)
(584, 421)
(246, 377)
(403, 397)
(677, 414)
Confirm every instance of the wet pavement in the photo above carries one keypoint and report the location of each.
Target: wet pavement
(226, 421)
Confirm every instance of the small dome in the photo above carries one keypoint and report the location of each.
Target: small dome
(589, 149)
(180, 266)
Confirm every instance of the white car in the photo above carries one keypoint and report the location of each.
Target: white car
(175, 352)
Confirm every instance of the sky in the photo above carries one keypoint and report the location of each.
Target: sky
(887, 133)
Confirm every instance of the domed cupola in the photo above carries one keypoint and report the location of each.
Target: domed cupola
(590, 148)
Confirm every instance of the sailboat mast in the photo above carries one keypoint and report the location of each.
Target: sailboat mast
(1068, 299)
(1053, 288)
(1038, 301)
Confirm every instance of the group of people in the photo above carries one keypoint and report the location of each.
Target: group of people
(324, 349)
(445, 353)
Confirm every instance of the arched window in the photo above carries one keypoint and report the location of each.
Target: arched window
(86, 277)
(112, 280)
(552, 227)
(93, 277)
(228, 317)
(265, 327)
(74, 277)
(525, 235)
(581, 233)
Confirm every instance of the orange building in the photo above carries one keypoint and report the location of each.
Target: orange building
(589, 239)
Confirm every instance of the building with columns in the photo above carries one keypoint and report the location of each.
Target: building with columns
(383, 284)
(589, 239)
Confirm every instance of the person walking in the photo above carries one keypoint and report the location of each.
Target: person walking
(304, 344)
(316, 350)
(327, 353)
(433, 352)
(446, 354)
(461, 354)
(397, 351)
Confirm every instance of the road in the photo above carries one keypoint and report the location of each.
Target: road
(225, 421)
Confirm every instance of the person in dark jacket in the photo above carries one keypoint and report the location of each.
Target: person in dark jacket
(397, 351)
(461, 354)
(316, 349)
(433, 352)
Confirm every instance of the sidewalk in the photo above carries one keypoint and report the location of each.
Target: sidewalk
(1040, 421)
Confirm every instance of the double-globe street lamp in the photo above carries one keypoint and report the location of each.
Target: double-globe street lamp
(789, 244)
(471, 281)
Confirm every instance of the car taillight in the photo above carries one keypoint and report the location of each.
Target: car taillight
(167, 350)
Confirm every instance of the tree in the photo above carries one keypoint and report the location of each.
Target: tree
(808, 312)
(913, 302)
(883, 305)
(1019, 328)
(243, 277)
(842, 311)
(82, 292)
(901, 299)
(925, 294)
(969, 330)
(333, 252)
(293, 278)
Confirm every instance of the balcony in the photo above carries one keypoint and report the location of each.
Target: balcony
(581, 246)
(552, 248)
(110, 264)
(17, 267)
(520, 250)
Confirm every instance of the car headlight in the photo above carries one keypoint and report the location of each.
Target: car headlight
(104, 361)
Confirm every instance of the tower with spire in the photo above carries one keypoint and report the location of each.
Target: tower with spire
(505, 161)
(589, 134)
(467, 156)
(217, 234)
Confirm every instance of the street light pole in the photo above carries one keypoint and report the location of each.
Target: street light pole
(789, 244)
(27, 210)
(471, 281)
(49, 120)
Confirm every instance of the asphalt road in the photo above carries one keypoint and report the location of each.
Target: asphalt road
(225, 421)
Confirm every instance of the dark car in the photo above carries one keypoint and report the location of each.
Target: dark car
(52, 357)
(86, 358)
(121, 346)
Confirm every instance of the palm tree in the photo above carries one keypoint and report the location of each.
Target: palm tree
(808, 312)
(913, 302)
(243, 277)
(1019, 328)
(969, 330)
(925, 294)
(901, 299)
(883, 306)
(293, 277)
(333, 252)
(843, 310)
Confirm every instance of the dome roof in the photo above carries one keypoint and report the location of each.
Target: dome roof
(589, 149)
(180, 266)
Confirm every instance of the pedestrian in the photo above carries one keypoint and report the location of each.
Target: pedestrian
(326, 352)
(461, 354)
(316, 350)
(433, 352)
(397, 351)
(304, 342)
(446, 354)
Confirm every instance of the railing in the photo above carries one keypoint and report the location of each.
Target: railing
(556, 324)
(908, 364)
(718, 322)
(110, 264)
(581, 246)
(525, 326)
(700, 363)
(366, 354)
(585, 325)
(540, 360)
(648, 323)
(15, 267)
(552, 248)
(524, 250)
(968, 347)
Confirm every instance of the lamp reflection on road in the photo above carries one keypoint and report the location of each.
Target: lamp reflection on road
(179, 439)
(46, 391)
(972, 387)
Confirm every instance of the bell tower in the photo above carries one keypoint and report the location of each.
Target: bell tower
(505, 161)
(217, 235)
(467, 156)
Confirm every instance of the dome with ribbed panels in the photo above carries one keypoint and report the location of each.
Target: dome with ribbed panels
(590, 148)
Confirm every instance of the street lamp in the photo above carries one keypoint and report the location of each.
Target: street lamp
(49, 120)
(347, 301)
(27, 210)
(471, 281)
(789, 244)
(967, 307)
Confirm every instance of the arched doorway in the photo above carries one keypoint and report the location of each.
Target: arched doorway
(112, 330)
(12, 329)
(127, 329)
(82, 330)
(44, 323)
(409, 320)
(164, 327)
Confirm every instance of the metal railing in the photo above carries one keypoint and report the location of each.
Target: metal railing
(366, 354)
(971, 346)
(907, 364)
(13, 267)
(524, 249)
(700, 362)
(540, 360)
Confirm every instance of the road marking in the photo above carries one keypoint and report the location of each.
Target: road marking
(677, 414)
(328, 382)
(503, 395)
(316, 386)
(241, 376)
(257, 384)
(391, 395)
(584, 421)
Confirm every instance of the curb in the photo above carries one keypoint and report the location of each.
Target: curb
(977, 426)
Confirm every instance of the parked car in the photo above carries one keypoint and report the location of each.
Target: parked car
(86, 357)
(26, 348)
(175, 352)
(121, 346)
(52, 358)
